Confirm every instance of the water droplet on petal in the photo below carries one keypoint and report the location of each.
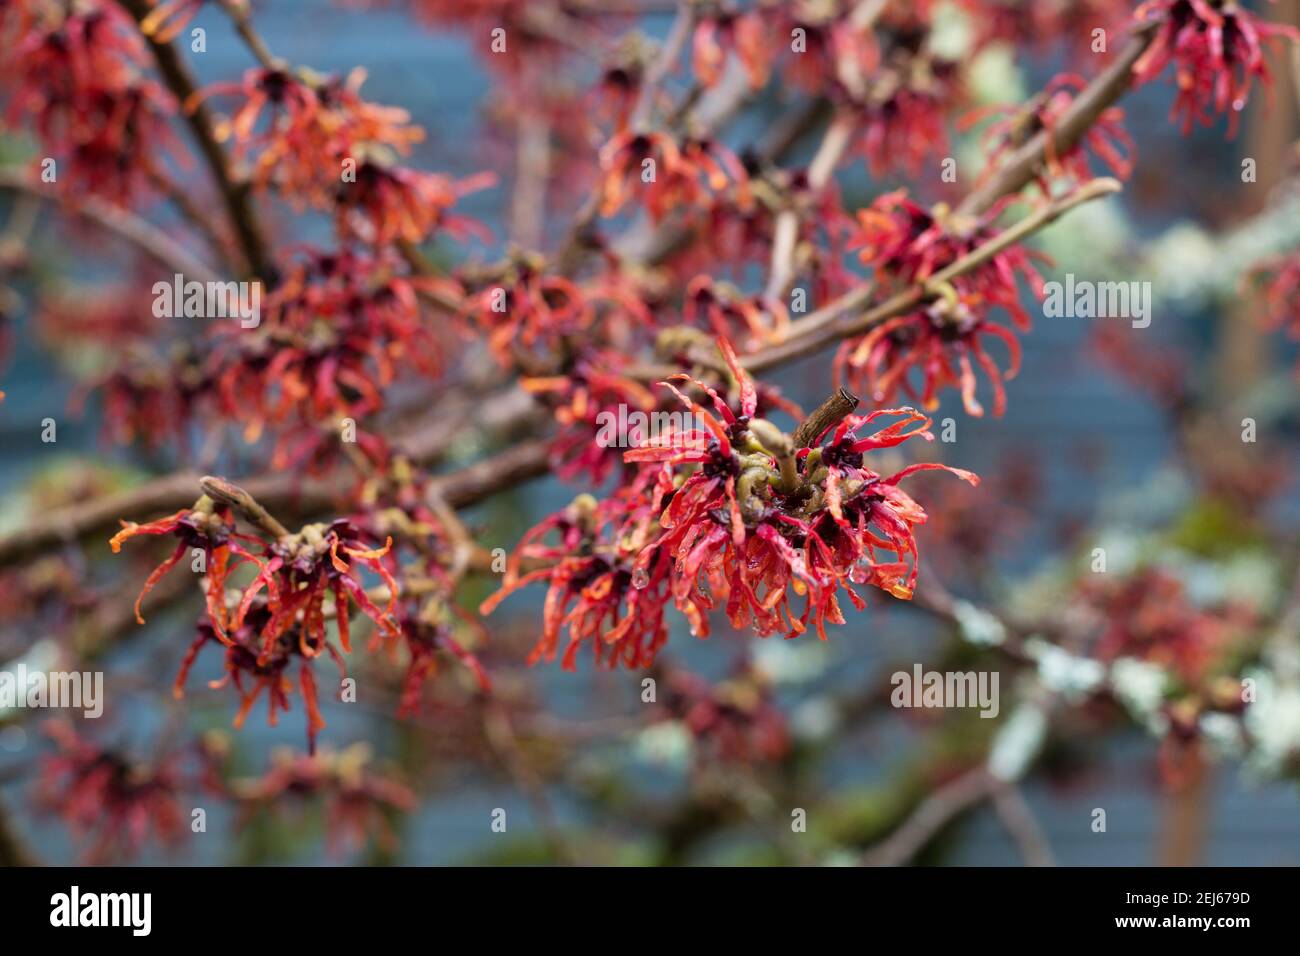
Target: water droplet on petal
(640, 578)
(858, 574)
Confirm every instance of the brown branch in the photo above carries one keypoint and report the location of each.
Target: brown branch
(1098, 96)
(678, 35)
(937, 811)
(294, 493)
(228, 493)
(811, 333)
(149, 239)
(826, 415)
(1020, 822)
(836, 320)
(238, 12)
(532, 172)
(525, 461)
(236, 195)
(840, 319)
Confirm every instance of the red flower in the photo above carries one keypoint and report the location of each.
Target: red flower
(725, 31)
(1106, 137)
(391, 203)
(96, 791)
(665, 176)
(1217, 52)
(1281, 277)
(252, 666)
(1148, 616)
(904, 125)
(587, 403)
(727, 511)
(734, 721)
(728, 312)
(358, 802)
(305, 569)
(427, 642)
(77, 71)
(590, 575)
(206, 527)
(312, 125)
(908, 244)
(337, 330)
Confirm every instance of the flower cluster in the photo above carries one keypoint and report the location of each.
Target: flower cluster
(1106, 137)
(525, 311)
(119, 804)
(338, 330)
(733, 721)
(77, 72)
(316, 141)
(1281, 280)
(281, 615)
(1217, 49)
(358, 802)
(666, 175)
(1150, 617)
(942, 340)
(731, 513)
(207, 529)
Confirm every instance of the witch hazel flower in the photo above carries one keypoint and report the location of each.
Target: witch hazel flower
(340, 327)
(358, 802)
(291, 125)
(727, 312)
(1106, 138)
(207, 528)
(594, 393)
(117, 804)
(252, 667)
(1217, 50)
(729, 512)
(316, 141)
(304, 570)
(735, 721)
(942, 340)
(77, 71)
(667, 176)
(281, 616)
(901, 117)
(587, 555)
(1280, 279)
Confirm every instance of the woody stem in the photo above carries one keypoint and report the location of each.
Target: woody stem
(227, 493)
(825, 416)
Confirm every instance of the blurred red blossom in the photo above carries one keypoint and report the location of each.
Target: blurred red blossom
(117, 804)
(1217, 49)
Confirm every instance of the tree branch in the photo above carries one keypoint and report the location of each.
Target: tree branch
(236, 195)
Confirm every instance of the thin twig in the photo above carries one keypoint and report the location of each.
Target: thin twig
(1020, 822)
(1083, 111)
(532, 173)
(149, 239)
(934, 813)
(235, 194)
